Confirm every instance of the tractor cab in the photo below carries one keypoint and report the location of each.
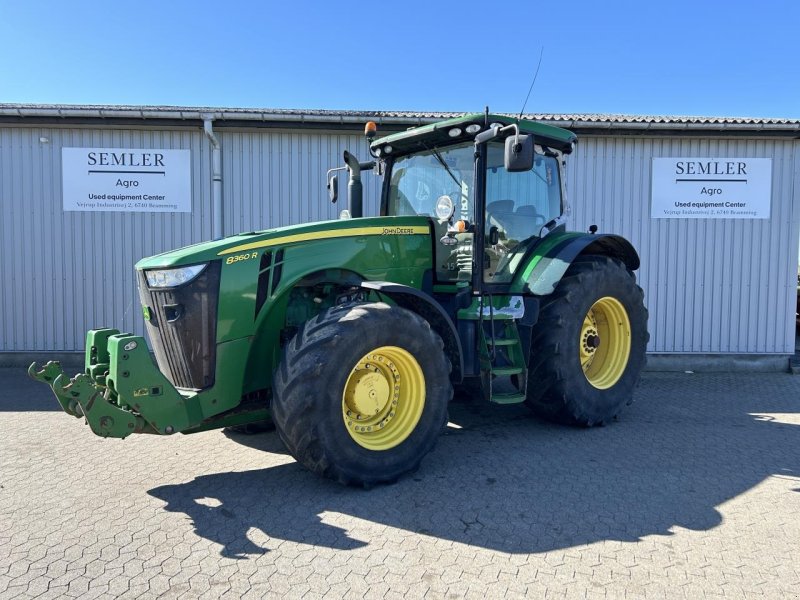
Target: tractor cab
(493, 189)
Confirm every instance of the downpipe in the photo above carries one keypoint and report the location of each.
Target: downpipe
(216, 177)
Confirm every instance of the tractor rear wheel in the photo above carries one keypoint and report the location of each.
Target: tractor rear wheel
(588, 346)
(361, 393)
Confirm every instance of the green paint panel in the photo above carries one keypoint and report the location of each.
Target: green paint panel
(549, 246)
(212, 250)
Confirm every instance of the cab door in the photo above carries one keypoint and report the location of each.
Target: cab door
(518, 205)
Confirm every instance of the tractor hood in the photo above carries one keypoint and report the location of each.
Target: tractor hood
(283, 236)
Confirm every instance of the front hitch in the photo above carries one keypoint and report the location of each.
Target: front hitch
(50, 374)
(82, 397)
(121, 391)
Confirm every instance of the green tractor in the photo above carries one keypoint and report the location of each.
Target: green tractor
(350, 335)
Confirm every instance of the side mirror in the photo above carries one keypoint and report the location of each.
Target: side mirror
(333, 188)
(519, 153)
(494, 236)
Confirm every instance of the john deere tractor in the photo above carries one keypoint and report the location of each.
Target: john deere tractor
(350, 335)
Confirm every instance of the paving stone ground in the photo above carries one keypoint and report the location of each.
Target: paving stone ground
(693, 493)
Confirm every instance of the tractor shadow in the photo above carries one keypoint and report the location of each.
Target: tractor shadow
(507, 482)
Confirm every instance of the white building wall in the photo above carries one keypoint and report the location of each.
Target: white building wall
(712, 286)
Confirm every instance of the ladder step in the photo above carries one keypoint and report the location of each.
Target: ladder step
(507, 370)
(486, 318)
(504, 342)
(514, 398)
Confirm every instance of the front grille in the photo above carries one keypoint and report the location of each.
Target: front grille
(183, 327)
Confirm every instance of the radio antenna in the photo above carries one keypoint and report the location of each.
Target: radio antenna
(530, 89)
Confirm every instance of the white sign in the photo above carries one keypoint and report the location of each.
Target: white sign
(126, 179)
(711, 188)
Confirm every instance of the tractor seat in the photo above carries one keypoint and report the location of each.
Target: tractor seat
(514, 224)
(500, 213)
(528, 211)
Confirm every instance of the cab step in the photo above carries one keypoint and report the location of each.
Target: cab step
(507, 370)
(503, 369)
(516, 398)
(503, 342)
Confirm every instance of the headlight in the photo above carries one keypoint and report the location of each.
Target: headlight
(164, 278)
(444, 208)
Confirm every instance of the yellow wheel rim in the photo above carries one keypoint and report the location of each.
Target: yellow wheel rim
(383, 398)
(605, 343)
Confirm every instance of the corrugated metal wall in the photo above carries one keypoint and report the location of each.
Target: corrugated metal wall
(62, 273)
(712, 286)
(272, 179)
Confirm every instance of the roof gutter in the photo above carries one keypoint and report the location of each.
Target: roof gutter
(221, 115)
(575, 124)
(200, 115)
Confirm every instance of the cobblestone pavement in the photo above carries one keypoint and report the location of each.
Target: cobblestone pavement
(694, 493)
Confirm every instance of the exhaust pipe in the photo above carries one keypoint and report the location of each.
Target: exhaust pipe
(355, 190)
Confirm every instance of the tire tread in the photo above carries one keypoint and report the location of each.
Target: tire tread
(296, 406)
(557, 391)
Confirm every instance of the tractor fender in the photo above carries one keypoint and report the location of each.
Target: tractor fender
(550, 268)
(421, 303)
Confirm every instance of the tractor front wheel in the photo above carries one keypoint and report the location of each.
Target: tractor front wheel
(361, 393)
(588, 347)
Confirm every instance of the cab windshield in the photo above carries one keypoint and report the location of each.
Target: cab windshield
(419, 180)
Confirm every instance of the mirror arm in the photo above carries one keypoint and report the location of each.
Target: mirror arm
(333, 184)
(513, 127)
(328, 174)
(489, 134)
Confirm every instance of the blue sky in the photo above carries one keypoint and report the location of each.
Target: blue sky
(664, 58)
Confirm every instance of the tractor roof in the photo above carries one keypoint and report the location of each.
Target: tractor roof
(411, 139)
